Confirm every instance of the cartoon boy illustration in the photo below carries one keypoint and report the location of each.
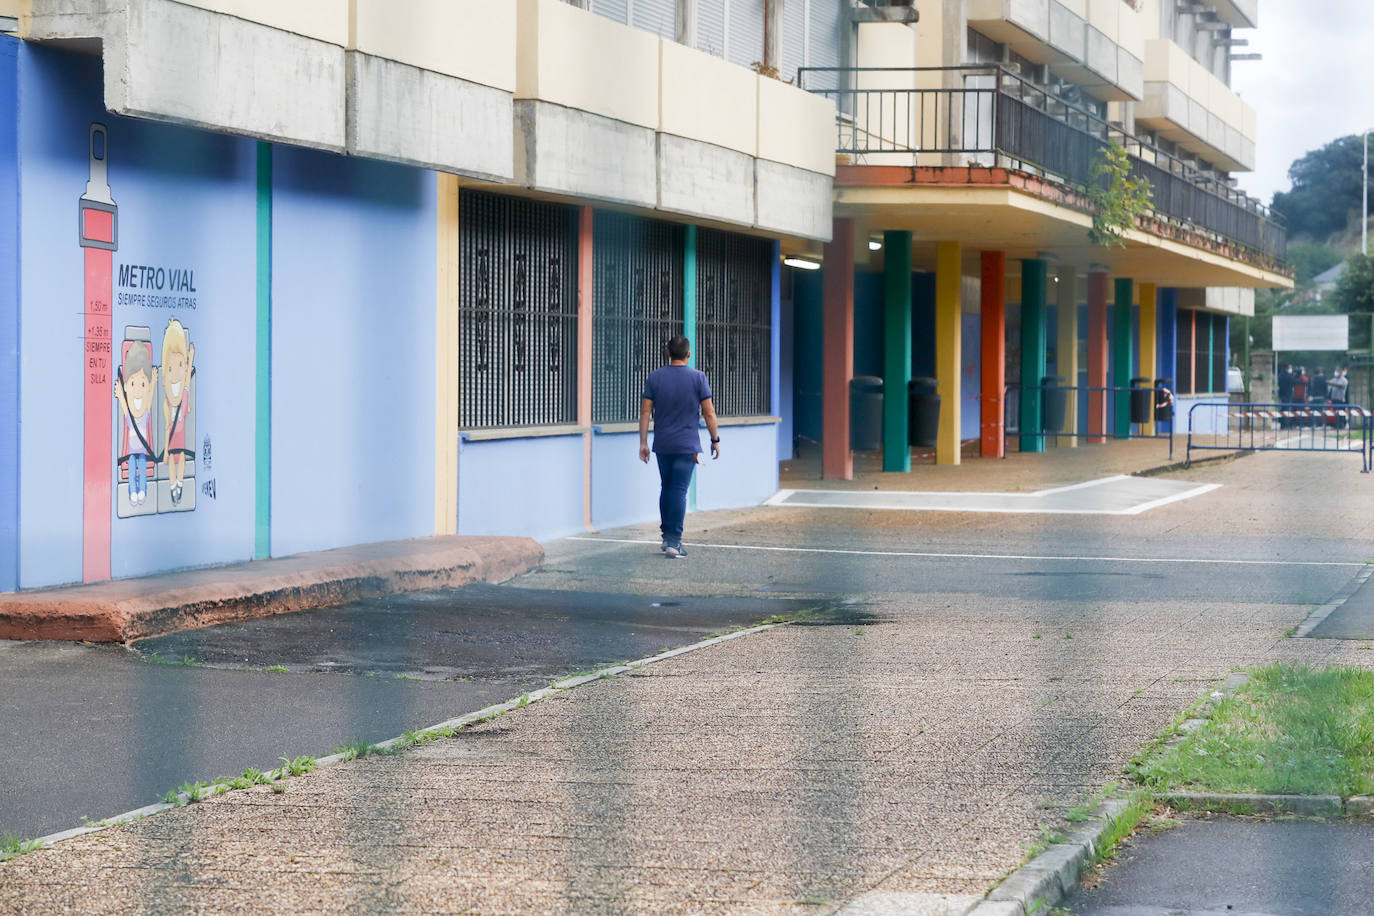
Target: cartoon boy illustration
(177, 357)
(134, 391)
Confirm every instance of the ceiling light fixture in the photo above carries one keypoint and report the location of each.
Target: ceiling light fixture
(801, 263)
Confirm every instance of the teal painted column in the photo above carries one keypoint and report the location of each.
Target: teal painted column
(689, 322)
(896, 349)
(262, 538)
(1034, 278)
(689, 290)
(1122, 322)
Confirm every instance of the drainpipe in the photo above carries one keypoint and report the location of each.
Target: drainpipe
(686, 22)
(772, 36)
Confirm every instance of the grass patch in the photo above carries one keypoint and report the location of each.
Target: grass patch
(1291, 730)
(12, 845)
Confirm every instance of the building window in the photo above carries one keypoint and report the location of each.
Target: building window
(638, 287)
(734, 320)
(517, 312)
(1202, 342)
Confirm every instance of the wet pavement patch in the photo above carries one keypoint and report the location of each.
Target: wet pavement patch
(93, 731)
(474, 632)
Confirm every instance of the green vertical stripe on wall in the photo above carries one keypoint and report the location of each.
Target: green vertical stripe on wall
(1122, 359)
(896, 349)
(1034, 292)
(262, 541)
(689, 319)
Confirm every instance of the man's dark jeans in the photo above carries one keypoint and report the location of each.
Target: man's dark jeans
(675, 472)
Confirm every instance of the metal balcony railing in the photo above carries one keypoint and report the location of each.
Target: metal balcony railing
(989, 115)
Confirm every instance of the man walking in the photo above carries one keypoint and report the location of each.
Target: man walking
(677, 396)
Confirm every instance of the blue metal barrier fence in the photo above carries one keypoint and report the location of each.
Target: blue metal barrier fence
(1274, 427)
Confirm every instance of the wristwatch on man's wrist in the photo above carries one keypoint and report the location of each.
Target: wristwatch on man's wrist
(715, 441)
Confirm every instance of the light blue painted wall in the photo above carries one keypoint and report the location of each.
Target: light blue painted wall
(9, 314)
(527, 487)
(185, 201)
(1204, 421)
(971, 378)
(624, 489)
(745, 474)
(786, 381)
(353, 279)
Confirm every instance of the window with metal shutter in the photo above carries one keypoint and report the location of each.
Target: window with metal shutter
(711, 27)
(517, 312)
(638, 291)
(734, 320)
(744, 45)
(825, 32)
(616, 10)
(656, 16)
(793, 39)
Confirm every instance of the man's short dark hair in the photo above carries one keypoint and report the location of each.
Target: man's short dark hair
(679, 347)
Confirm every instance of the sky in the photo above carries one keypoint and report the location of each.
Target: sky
(1315, 83)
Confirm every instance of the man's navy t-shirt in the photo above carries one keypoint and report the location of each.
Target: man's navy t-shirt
(677, 393)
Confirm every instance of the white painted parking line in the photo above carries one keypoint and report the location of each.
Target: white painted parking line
(1119, 495)
(844, 551)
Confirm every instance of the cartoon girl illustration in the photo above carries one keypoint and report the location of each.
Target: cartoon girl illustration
(134, 391)
(178, 355)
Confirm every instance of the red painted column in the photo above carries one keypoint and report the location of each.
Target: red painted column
(994, 346)
(1097, 355)
(586, 222)
(99, 234)
(837, 352)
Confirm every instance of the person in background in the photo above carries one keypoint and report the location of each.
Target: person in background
(1316, 390)
(1338, 390)
(677, 397)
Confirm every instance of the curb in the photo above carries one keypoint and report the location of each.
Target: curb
(462, 721)
(122, 610)
(1047, 879)
(1316, 618)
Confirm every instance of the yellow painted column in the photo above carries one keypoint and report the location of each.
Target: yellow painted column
(1149, 329)
(446, 360)
(948, 348)
(1066, 347)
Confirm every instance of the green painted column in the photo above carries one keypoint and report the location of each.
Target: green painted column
(262, 539)
(896, 349)
(1034, 278)
(1122, 324)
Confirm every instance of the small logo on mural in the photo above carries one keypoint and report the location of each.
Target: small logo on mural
(157, 419)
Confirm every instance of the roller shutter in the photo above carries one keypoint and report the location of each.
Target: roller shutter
(744, 45)
(656, 16)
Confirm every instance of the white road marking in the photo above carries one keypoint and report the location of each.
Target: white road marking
(1199, 561)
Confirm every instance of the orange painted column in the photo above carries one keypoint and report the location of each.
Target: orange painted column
(584, 353)
(1097, 355)
(994, 353)
(837, 352)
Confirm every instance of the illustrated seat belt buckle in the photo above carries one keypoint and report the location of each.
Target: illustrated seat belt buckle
(98, 219)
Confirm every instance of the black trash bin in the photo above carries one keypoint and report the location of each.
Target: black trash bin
(1054, 404)
(1164, 399)
(923, 414)
(865, 413)
(1142, 400)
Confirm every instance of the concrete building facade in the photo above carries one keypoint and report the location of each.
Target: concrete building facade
(348, 271)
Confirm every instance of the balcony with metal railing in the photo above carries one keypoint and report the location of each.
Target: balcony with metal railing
(988, 115)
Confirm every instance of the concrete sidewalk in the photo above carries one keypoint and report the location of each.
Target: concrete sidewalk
(121, 610)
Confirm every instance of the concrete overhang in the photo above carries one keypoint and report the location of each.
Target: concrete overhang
(1240, 14)
(1024, 225)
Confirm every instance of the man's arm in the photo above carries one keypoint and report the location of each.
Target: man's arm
(646, 410)
(708, 413)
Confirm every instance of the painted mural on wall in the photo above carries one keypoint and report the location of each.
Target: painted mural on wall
(156, 422)
(153, 383)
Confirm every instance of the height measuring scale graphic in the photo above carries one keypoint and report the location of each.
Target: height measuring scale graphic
(98, 230)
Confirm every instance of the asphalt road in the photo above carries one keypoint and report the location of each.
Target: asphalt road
(1238, 867)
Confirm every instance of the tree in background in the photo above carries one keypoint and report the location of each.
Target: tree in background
(1354, 291)
(1327, 183)
(1309, 259)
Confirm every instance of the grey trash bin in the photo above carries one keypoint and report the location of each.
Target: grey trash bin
(865, 413)
(1054, 404)
(923, 415)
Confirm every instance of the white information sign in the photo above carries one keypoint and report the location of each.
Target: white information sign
(1311, 332)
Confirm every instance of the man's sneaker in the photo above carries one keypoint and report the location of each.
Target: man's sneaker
(675, 551)
(663, 548)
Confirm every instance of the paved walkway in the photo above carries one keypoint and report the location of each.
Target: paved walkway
(912, 743)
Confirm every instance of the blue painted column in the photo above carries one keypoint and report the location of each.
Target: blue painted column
(262, 540)
(1121, 355)
(9, 314)
(896, 349)
(689, 320)
(1034, 279)
(1167, 314)
(775, 331)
